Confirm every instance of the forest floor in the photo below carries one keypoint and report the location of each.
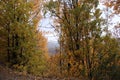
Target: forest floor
(9, 74)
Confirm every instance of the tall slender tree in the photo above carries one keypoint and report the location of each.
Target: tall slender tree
(79, 24)
(23, 42)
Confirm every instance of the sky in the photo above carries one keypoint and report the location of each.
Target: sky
(48, 30)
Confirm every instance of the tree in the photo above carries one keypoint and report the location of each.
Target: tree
(79, 25)
(113, 3)
(24, 44)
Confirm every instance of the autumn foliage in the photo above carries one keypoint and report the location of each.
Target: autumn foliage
(86, 50)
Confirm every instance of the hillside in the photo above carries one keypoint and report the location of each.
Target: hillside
(52, 46)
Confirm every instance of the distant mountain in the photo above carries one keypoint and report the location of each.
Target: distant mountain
(52, 46)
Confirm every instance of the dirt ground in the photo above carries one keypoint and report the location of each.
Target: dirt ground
(8, 74)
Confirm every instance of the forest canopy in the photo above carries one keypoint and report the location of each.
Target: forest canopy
(84, 53)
